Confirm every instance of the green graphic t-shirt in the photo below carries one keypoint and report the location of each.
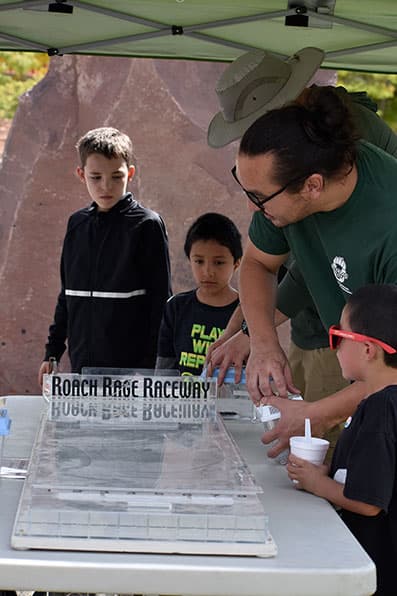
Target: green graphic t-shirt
(188, 328)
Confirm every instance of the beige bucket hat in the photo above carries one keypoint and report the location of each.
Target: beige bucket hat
(255, 83)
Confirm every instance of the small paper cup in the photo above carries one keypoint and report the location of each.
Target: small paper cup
(313, 450)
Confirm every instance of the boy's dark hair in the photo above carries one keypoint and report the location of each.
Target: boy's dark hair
(218, 227)
(317, 137)
(372, 311)
(106, 141)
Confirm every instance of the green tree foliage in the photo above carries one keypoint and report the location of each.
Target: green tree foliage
(19, 71)
(382, 88)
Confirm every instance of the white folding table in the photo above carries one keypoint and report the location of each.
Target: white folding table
(317, 555)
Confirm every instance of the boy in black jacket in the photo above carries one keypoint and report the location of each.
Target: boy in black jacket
(115, 269)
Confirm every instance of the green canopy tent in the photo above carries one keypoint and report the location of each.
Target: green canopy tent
(355, 34)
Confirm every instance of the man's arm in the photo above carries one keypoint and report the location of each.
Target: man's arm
(234, 324)
(279, 317)
(231, 353)
(219, 353)
(258, 285)
(323, 414)
(233, 350)
(233, 327)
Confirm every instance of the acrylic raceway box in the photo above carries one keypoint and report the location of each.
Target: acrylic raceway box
(138, 464)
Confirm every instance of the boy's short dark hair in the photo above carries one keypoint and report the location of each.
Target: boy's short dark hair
(372, 311)
(218, 227)
(106, 141)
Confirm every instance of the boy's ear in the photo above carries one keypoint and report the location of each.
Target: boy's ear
(237, 264)
(372, 351)
(80, 173)
(131, 172)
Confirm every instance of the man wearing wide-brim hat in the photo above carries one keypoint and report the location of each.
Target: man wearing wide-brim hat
(252, 85)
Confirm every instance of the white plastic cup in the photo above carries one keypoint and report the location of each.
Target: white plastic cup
(313, 450)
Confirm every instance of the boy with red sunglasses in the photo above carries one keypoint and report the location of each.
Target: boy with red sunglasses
(362, 479)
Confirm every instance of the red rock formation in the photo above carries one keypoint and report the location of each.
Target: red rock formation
(165, 107)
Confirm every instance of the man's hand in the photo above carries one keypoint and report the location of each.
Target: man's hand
(233, 327)
(233, 352)
(268, 373)
(292, 423)
(209, 365)
(305, 474)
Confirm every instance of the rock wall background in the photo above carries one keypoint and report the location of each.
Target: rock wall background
(165, 107)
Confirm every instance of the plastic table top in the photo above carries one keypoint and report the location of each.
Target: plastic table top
(317, 555)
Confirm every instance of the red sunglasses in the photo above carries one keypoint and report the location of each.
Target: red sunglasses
(336, 335)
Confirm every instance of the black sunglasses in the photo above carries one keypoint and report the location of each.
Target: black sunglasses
(253, 197)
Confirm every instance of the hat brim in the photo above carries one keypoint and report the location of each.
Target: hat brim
(220, 132)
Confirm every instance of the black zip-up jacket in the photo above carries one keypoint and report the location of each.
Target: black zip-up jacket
(115, 275)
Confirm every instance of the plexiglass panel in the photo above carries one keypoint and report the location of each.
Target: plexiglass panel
(144, 467)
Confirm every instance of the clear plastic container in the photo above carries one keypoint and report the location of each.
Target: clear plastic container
(269, 416)
(234, 402)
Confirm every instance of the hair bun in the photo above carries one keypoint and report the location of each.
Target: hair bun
(328, 117)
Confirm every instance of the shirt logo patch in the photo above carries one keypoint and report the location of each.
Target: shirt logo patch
(339, 268)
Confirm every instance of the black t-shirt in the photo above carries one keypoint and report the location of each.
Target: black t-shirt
(188, 328)
(367, 450)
